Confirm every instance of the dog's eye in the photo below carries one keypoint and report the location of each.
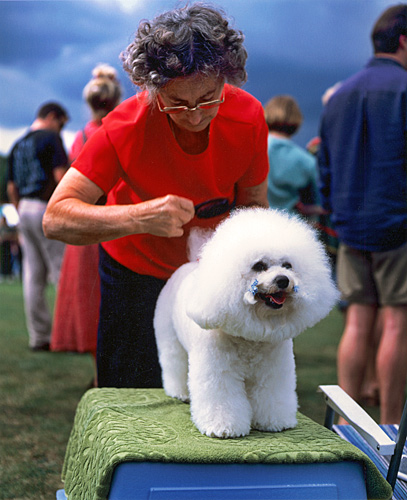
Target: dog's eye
(260, 266)
(287, 265)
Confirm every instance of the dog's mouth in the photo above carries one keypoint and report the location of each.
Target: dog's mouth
(273, 300)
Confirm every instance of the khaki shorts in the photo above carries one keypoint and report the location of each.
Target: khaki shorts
(378, 278)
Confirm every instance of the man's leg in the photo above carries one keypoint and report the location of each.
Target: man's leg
(392, 364)
(370, 387)
(390, 269)
(38, 316)
(53, 251)
(353, 347)
(359, 291)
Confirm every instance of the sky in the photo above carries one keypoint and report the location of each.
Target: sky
(297, 47)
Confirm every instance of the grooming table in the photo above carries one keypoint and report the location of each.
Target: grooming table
(140, 444)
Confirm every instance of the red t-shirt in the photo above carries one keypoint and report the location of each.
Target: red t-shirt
(135, 143)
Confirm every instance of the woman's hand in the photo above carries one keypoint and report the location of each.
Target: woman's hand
(163, 216)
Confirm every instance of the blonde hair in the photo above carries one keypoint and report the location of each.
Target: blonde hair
(283, 114)
(103, 92)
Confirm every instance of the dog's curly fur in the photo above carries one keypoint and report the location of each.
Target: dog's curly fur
(224, 325)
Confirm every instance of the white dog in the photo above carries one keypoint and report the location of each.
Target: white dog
(224, 325)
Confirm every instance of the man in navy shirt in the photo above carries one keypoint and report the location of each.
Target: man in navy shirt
(362, 161)
(36, 164)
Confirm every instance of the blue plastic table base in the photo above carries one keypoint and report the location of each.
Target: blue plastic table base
(174, 481)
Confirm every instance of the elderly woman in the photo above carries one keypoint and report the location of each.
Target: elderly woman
(179, 154)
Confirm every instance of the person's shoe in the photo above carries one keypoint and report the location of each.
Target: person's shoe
(41, 347)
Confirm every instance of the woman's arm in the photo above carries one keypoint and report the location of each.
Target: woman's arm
(253, 196)
(73, 217)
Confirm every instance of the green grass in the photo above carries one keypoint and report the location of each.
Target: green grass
(315, 356)
(40, 392)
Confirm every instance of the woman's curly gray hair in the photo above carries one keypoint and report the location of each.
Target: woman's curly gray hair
(195, 39)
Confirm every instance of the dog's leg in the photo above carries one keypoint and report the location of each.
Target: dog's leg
(173, 359)
(174, 365)
(272, 390)
(219, 406)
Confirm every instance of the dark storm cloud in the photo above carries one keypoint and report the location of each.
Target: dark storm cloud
(39, 31)
(49, 49)
(301, 47)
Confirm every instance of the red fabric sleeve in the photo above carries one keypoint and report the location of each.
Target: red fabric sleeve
(98, 161)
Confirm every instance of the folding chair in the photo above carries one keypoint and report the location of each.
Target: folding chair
(385, 445)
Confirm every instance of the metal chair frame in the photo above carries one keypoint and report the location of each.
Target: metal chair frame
(339, 402)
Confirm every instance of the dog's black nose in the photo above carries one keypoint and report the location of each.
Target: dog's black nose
(282, 281)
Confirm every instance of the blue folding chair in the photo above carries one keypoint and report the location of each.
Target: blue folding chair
(385, 445)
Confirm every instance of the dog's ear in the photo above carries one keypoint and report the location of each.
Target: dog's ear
(210, 285)
(209, 293)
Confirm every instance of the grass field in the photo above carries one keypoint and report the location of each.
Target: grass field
(40, 391)
(39, 394)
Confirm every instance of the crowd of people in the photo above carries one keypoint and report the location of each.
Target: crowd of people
(110, 222)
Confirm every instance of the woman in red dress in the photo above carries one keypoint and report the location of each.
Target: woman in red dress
(78, 299)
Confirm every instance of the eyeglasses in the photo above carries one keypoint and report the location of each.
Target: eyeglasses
(174, 110)
(213, 208)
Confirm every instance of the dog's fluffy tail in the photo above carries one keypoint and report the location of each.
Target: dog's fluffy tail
(197, 239)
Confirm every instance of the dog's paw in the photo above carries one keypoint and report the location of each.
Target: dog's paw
(226, 432)
(225, 428)
(275, 425)
(181, 396)
(176, 386)
(177, 392)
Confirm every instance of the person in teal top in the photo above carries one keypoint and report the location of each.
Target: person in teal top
(292, 179)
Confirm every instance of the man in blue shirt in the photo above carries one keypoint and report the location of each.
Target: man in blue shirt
(37, 162)
(362, 161)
